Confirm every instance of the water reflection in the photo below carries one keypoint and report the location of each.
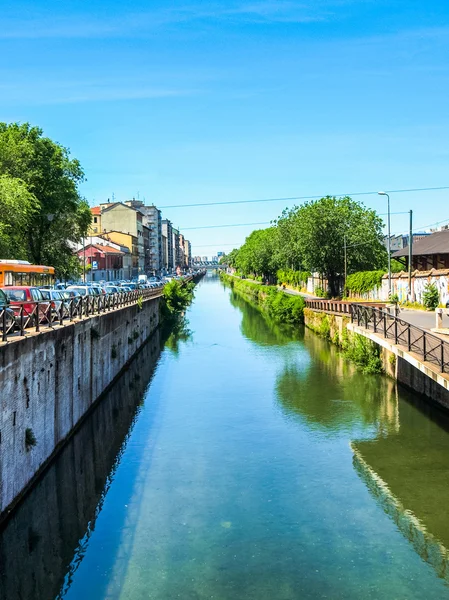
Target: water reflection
(402, 449)
(345, 399)
(263, 331)
(408, 474)
(43, 543)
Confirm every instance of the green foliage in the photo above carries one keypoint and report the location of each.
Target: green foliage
(363, 352)
(363, 282)
(311, 238)
(431, 296)
(394, 298)
(178, 295)
(317, 232)
(30, 439)
(296, 279)
(320, 293)
(279, 306)
(39, 183)
(396, 266)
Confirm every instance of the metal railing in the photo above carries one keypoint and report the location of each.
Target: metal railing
(376, 318)
(18, 319)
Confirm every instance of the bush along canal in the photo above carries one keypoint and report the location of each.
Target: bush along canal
(240, 458)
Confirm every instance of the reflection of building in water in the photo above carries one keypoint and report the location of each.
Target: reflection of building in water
(41, 543)
(407, 474)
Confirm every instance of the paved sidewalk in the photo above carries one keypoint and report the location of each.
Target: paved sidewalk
(422, 318)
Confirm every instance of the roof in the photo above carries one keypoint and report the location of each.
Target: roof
(437, 243)
(95, 210)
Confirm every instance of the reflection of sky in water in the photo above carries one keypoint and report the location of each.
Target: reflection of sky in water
(238, 479)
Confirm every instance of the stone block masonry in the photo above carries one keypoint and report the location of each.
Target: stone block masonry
(50, 380)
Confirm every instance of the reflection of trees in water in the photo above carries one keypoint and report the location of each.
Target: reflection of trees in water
(260, 329)
(179, 332)
(326, 401)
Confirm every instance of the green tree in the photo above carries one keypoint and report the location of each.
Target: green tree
(320, 230)
(17, 207)
(257, 255)
(51, 177)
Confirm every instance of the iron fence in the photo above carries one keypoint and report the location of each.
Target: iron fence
(376, 318)
(20, 318)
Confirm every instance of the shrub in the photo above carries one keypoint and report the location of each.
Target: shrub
(320, 292)
(30, 439)
(178, 295)
(294, 278)
(363, 352)
(364, 281)
(431, 296)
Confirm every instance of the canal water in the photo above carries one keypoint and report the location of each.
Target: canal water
(239, 459)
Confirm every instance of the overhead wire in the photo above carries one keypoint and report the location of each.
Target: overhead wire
(291, 198)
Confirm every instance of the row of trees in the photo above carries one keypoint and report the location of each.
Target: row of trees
(313, 237)
(41, 210)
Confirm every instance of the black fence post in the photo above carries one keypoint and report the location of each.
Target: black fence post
(4, 337)
(442, 356)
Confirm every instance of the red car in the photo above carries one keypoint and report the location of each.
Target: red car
(21, 295)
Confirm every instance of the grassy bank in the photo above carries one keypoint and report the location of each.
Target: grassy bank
(279, 306)
(360, 350)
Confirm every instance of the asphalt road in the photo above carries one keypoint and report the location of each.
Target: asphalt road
(423, 319)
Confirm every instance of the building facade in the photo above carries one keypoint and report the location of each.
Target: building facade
(151, 218)
(167, 232)
(121, 217)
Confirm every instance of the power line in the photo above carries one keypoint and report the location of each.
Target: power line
(230, 225)
(289, 199)
(263, 223)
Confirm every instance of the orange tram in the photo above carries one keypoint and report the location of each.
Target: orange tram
(21, 272)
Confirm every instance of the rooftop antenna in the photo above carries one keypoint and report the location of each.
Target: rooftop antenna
(113, 197)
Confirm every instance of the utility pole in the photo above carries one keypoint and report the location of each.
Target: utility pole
(346, 266)
(410, 259)
(84, 259)
(389, 243)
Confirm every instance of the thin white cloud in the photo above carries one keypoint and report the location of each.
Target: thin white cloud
(91, 26)
(81, 92)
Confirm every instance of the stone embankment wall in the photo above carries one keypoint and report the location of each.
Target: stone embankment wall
(50, 380)
(407, 368)
(43, 535)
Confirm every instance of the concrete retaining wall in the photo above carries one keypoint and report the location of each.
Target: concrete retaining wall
(405, 367)
(49, 380)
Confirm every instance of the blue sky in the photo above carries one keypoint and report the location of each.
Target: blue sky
(184, 102)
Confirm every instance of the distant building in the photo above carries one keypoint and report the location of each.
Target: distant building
(429, 252)
(187, 254)
(118, 216)
(128, 241)
(167, 232)
(152, 219)
(398, 242)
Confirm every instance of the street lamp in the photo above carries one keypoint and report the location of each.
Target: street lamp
(389, 243)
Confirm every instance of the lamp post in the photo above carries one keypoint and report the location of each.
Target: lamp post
(389, 243)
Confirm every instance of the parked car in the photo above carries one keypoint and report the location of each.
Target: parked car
(23, 296)
(6, 313)
(81, 290)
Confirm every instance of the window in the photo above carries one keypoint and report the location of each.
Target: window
(16, 295)
(36, 295)
(95, 220)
